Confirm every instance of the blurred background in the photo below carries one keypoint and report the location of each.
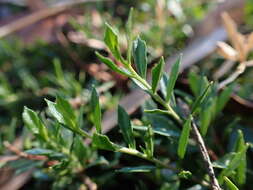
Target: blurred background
(42, 39)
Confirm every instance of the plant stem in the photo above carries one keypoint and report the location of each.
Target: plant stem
(206, 158)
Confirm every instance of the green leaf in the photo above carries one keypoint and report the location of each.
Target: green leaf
(183, 140)
(81, 150)
(129, 29)
(129, 24)
(208, 113)
(193, 80)
(112, 65)
(34, 124)
(242, 168)
(140, 56)
(234, 163)
(230, 184)
(185, 174)
(157, 73)
(126, 127)
(103, 142)
(149, 144)
(111, 40)
(157, 111)
(173, 78)
(223, 98)
(96, 111)
(136, 169)
(39, 151)
(58, 70)
(200, 99)
(63, 112)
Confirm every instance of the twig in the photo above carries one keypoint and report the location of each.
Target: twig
(206, 158)
(239, 70)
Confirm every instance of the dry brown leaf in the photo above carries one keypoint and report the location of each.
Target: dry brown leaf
(250, 41)
(231, 29)
(227, 51)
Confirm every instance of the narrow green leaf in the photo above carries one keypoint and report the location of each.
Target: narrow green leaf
(206, 116)
(149, 144)
(223, 98)
(234, 163)
(160, 131)
(58, 69)
(140, 56)
(103, 142)
(183, 140)
(34, 124)
(241, 170)
(111, 40)
(200, 99)
(157, 73)
(230, 184)
(173, 78)
(136, 169)
(112, 65)
(96, 111)
(193, 80)
(157, 111)
(129, 29)
(39, 151)
(126, 127)
(129, 24)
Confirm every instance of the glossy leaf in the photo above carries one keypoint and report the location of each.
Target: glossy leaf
(129, 30)
(96, 111)
(126, 127)
(185, 174)
(223, 98)
(160, 131)
(157, 73)
(184, 137)
(200, 99)
(103, 142)
(136, 169)
(234, 163)
(34, 124)
(140, 56)
(173, 78)
(230, 184)
(149, 144)
(112, 65)
(242, 168)
(63, 112)
(111, 40)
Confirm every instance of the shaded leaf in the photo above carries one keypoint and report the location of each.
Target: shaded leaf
(96, 111)
(223, 98)
(173, 78)
(111, 40)
(184, 137)
(200, 99)
(230, 184)
(137, 169)
(34, 124)
(112, 65)
(157, 73)
(126, 127)
(103, 142)
(140, 56)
